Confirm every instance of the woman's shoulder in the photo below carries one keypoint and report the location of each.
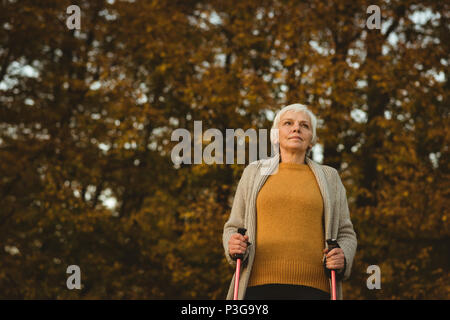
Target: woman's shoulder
(329, 170)
(252, 167)
(331, 174)
(259, 163)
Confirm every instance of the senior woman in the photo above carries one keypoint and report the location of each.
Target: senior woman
(290, 205)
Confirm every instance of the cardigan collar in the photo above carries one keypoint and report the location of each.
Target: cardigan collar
(267, 167)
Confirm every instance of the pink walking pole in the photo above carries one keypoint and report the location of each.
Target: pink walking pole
(239, 258)
(236, 280)
(333, 285)
(332, 243)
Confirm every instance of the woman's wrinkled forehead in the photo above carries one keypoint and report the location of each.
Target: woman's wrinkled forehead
(294, 115)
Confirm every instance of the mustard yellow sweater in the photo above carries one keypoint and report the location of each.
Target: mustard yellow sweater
(289, 230)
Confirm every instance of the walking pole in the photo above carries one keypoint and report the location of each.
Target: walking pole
(239, 257)
(332, 243)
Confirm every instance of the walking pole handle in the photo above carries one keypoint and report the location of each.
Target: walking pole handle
(332, 244)
(241, 231)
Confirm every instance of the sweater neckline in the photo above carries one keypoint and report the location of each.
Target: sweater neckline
(289, 165)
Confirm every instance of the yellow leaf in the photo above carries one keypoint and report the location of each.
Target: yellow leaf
(289, 62)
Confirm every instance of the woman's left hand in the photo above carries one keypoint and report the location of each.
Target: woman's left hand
(335, 259)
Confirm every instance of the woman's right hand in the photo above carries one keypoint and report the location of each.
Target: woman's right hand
(237, 244)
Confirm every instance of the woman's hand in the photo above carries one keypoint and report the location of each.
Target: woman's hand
(237, 244)
(335, 259)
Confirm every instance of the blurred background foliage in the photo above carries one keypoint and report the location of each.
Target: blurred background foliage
(86, 117)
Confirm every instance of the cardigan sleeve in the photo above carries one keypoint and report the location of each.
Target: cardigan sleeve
(236, 218)
(346, 234)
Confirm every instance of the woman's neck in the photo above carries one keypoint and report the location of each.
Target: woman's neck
(289, 157)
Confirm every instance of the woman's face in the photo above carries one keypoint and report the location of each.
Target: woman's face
(295, 131)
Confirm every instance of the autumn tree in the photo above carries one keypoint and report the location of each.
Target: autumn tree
(87, 116)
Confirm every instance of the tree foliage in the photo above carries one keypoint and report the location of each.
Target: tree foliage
(86, 118)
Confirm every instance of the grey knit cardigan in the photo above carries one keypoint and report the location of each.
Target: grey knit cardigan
(243, 214)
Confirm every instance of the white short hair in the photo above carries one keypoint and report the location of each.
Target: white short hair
(296, 107)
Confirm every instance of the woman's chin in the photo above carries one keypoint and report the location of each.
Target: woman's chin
(296, 147)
